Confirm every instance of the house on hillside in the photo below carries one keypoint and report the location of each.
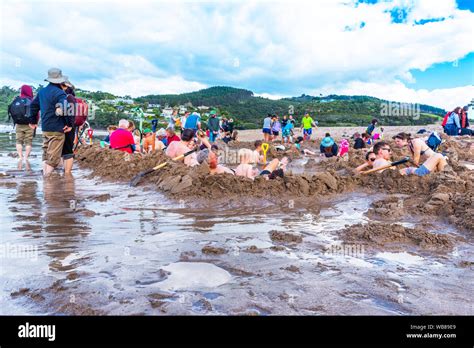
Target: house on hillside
(182, 109)
(203, 107)
(119, 100)
(167, 112)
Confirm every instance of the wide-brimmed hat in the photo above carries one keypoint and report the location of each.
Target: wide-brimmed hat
(55, 75)
(327, 142)
(68, 83)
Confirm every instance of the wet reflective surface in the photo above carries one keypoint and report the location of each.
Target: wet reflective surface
(74, 245)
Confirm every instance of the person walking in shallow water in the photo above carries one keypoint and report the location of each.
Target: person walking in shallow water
(52, 102)
(18, 111)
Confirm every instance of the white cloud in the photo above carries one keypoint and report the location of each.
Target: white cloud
(140, 85)
(270, 96)
(447, 98)
(171, 47)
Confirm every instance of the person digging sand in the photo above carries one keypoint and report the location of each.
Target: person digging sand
(187, 143)
(271, 171)
(383, 153)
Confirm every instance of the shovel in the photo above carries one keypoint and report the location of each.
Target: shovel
(139, 176)
(404, 160)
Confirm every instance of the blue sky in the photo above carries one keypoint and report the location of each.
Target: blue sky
(406, 50)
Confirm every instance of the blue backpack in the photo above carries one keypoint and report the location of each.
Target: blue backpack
(434, 141)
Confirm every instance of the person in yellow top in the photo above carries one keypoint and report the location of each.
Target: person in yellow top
(307, 124)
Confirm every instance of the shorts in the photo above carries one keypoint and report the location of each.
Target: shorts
(276, 133)
(421, 171)
(68, 147)
(308, 131)
(267, 131)
(24, 134)
(265, 172)
(52, 147)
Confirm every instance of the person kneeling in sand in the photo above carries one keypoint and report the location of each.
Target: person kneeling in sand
(271, 171)
(418, 148)
(383, 154)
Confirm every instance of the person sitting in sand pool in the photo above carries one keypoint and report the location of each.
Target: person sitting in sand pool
(227, 138)
(149, 141)
(187, 143)
(171, 136)
(328, 146)
(215, 167)
(418, 148)
(271, 171)
(435, 163)
(121, 139)
(296, 148)
(343, 148)
(160, 144)
(369, 161)
(257, 157)
(383, 153)
(136, 135)
(110, 130)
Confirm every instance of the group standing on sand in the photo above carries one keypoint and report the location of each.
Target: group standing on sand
(54, 103)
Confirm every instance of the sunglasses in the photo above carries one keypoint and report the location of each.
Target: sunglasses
(387, 149)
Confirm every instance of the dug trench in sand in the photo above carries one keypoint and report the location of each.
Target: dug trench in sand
(448, 194)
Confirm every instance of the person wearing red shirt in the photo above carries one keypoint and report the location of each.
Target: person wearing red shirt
(122, 139)
(171, 136)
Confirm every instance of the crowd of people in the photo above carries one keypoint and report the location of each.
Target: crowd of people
(52, 106)
(60, 131)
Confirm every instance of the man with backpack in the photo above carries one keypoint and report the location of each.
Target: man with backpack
(18, 111)
(52, 101)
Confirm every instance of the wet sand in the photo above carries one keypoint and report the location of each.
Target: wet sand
(97, 246)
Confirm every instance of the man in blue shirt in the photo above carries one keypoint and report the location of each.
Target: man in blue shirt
(193, 122)
(52, 102)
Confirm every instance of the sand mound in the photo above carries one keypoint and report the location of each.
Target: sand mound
(448, 194)
(394, 236)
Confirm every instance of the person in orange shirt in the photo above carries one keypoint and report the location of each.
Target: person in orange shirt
(148, 141)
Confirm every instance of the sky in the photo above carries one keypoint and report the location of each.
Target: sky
(402, 50)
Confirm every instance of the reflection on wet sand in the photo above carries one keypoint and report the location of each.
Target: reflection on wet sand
(27, 209)
(61, 220)
(26, 165)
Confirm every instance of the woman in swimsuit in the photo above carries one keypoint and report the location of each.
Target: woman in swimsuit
(417, 147)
